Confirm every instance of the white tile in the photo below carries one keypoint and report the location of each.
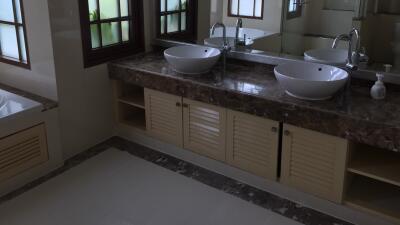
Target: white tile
(116, 188)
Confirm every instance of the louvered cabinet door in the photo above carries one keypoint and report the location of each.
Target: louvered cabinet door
(252, 144)
(204, 129)
(164, 116)
(21, 151)
(314, 162)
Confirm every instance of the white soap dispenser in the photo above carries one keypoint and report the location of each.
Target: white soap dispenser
(378, 91)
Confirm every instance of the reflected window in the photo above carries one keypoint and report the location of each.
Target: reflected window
(111, 29)
(252, 9)
(13, 46)
(294, 9)
(177, 19)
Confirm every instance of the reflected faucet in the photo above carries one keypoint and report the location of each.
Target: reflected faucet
(239, 24)
(354, 57)
(226, 48)
(342, 37)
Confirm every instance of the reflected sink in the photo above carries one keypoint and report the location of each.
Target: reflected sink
(311, 81)
(192, 59)
(331, 56)
(250, 33)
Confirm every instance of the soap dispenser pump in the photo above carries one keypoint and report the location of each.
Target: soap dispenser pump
(378, 91)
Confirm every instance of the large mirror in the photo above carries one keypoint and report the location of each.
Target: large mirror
(302, 28)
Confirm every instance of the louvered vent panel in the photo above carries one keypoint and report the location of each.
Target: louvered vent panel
(252, 145)
(164, 117)
(314, 162)
(22, 151)
(205, 129)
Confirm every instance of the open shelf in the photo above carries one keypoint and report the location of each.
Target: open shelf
(377, 164)
(136, 100)
(132, 116)
(375, 197)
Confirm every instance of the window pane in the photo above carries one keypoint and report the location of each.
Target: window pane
(18, 8)
(8, 41)
(183, 4)
(94, 32)
(108, 9)
(246, 7)
(234, 7)
(124, 7)
(162, 24)
(162, 4)
(173, 22)
(23, 46)
(258, 9)
(183, 21)
(173, 5)
(110, 33)
(93, 10)
(125, 30)
(6, 10)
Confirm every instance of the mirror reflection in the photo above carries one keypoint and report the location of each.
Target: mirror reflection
(318, 30)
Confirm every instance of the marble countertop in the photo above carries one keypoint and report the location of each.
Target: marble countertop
(47, 104)
(252, 88)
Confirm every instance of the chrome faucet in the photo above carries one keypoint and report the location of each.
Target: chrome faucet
(354, 56)
(226, 48)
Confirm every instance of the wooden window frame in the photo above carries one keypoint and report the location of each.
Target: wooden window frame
(93, 57)
(247, 17)
(190, 34)
(9, 60)
(294, 14)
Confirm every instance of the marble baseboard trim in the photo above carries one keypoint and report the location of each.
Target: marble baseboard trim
(238, 189)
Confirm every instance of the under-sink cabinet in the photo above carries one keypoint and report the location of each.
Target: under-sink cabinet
(314, 162)
(204, 128)
(319, 164)
(164, 116)
(22, 151)
(253, 144)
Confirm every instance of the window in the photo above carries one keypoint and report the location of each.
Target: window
(13, 46)
(252, 9)
(111, 29)
(294, 9)
(177, 19)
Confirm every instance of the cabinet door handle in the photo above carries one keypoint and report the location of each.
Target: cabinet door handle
(185, 105)
(274, 129)
(178, 104)
(287, 133)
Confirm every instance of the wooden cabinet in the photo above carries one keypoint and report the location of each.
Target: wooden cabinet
(252, 144)
(22, 151)
(314, 162)
(164, 116)
(204, 129)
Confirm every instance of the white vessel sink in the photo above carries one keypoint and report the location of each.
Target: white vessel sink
(218, 42)
(251, 33)
(192, 59)
(331, 56)
(311, 81)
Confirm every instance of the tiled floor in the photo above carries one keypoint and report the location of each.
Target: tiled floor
(270, 205)
(116, 188)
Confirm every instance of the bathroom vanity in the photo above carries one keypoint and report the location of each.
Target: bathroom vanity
(345, 150)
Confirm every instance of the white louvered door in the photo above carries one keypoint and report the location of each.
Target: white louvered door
(22, 151)
(252, 144)
(204, 129)
(164, 116)
(314, 162)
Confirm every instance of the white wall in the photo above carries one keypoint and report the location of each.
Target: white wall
(41, 79)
